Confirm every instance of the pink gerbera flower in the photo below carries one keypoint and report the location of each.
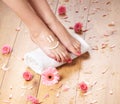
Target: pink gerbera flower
(6, 49)
(78, 27)
(50, 76)
(62, 10)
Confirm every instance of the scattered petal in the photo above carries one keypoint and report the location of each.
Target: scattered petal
(71, 27)
(95, 48)
(83, 87)
(66, 0)
(78, 27)
(100, 88)
(104, 15)
(94, 83)
(88, 93)
(6, 101)
(108, 3)
(95, 1)
(65, 17)
(27, 76)
(88, 20)
(18, 29)
(104, 46)
(85, 30)
(93, 102)
(23, 94)
(23, 87)
(50, 76)
(106, 35)
(58, 94)
(29, 88)
(4, 67)
(85, 8)
(112, 46)
(76, 11)
(105, 70)
(6, 49)
(10, 96)
(62, 10)
(65, 88)
(60, 86)
(46, 96)
(11, 87)
(87, 72)
(33, 99)
(112, 24)
(111, 92)
(68, 21)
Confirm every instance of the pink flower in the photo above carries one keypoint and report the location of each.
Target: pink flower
(83, 87)
(6, 49)
(62, 10)
(50, 76)
(27, 76)
(33, 99)
(78, 27)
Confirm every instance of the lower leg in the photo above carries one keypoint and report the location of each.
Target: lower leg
(44, 11)
(41, 35)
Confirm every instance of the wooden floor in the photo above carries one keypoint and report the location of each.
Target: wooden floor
(101, 20)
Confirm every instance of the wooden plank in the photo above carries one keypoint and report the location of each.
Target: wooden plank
(8, 23)
(13, 77)
(102, 69)
(68, 72)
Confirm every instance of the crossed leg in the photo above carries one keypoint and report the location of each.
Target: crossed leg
(40, 33)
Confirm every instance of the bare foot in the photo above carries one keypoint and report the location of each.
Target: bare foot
(40, 33)
(43, 10)
(49, 43)
(68, 41)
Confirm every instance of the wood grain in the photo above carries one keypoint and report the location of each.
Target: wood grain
(100, 69)
(8, 33)
(103, 64)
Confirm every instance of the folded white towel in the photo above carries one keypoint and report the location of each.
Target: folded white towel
(38, 61)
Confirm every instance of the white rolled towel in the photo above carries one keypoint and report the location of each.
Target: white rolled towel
(38, 61)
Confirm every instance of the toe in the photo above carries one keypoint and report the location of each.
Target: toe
(58, 58)
(67, 57)
(65, 54)
(77, 47)
(50, 54)
(62, 57)
(74, 50)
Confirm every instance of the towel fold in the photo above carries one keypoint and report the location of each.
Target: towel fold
(38, 61)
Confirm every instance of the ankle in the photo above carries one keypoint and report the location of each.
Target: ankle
(53, 23)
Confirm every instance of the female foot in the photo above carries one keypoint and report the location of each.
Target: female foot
(44, 11)
(40, 33)
(67, 40)
(48, 42)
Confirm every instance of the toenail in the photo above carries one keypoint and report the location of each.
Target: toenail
(78, 53)
(59, 61)
(69, 61)
(66, 60)
(55, 59)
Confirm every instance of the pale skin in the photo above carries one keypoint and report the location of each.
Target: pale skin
(46, 32)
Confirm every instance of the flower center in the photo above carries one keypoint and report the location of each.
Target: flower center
(50, 77)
